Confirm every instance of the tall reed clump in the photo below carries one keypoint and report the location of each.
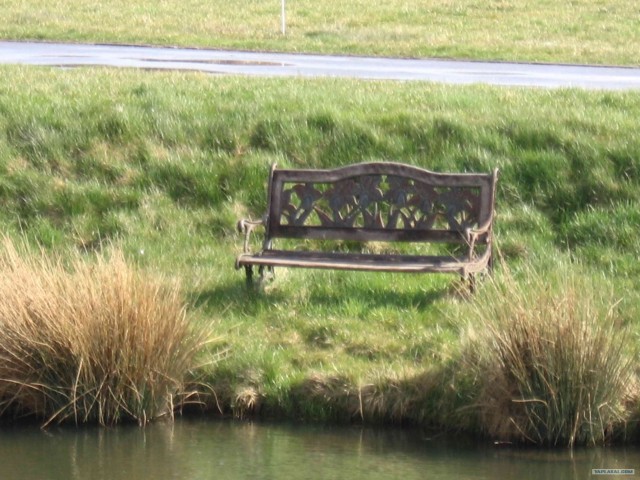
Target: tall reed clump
(90, 340)
(551, 361)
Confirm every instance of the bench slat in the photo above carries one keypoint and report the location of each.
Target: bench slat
(367, 234)
(365, 262)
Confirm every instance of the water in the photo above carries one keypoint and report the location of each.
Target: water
(207, 449)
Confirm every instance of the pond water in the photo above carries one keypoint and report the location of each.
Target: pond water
(229, 450)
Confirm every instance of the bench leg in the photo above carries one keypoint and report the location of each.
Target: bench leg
(266, 274)
(248, 270)
(491, 264)
(263, 274)
(472, 283)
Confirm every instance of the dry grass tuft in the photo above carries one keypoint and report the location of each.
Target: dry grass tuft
(552, 363)
(247, 402)
(90, 340)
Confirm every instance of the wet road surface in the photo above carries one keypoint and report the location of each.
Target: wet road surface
(301, 65)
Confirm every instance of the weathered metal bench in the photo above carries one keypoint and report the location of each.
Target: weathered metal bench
(380, 202)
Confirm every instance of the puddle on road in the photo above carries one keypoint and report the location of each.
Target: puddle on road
(248, 63)
(253, 63)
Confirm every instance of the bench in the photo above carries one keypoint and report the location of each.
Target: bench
(374, 202)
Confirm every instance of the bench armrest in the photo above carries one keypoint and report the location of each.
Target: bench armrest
(246, 226)
(472, 235)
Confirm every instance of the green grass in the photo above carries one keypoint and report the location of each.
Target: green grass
(581, 31)
(164, 164)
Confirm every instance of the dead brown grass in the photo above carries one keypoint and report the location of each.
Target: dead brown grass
(551, 359)
(90, 339)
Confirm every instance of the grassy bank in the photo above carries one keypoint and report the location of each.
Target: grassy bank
(163, 164)
(583, 31)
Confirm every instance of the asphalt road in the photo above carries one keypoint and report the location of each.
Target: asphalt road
(299, 65)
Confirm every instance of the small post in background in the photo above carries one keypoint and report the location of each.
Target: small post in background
(283, 18)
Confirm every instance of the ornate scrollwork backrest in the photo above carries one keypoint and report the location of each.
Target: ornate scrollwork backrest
(379, 201)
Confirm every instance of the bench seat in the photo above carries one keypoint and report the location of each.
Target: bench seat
(365, 262)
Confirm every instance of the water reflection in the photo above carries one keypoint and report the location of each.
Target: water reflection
(205, 449)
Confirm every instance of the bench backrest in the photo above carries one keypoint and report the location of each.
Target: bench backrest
(381, 201)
